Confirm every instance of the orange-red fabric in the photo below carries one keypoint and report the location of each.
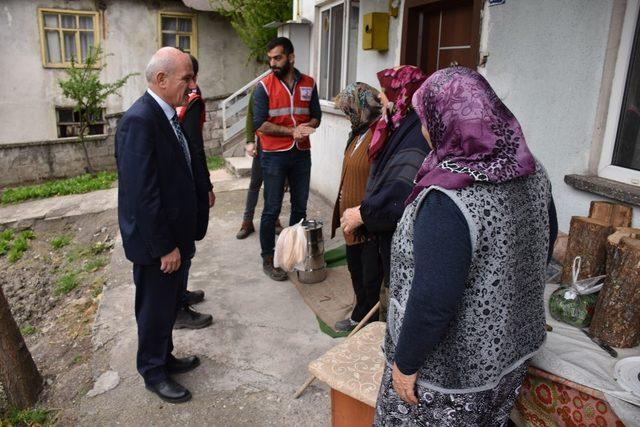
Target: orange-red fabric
(182, 111)
(286, 109)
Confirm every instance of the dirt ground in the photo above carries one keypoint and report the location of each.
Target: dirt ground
(54, 293)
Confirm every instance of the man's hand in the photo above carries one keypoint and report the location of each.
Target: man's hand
(302, 131)
(351, 219)
(404, 385)
(250, 149)
(212, 199)
(170, 263)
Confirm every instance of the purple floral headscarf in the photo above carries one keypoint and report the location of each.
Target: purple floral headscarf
(474, 135)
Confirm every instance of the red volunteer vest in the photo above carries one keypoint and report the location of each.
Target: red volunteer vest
(286, 109)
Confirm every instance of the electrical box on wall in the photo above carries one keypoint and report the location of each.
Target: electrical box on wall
(375, 31)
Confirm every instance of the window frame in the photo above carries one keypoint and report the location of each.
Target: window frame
(59, 123)
(605, 167)
(346, 17)
(65, 64)
(194, 28)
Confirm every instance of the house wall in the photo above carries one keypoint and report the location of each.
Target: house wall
(129, 33)
(545, 60)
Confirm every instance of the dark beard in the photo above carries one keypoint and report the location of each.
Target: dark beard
(280, 73)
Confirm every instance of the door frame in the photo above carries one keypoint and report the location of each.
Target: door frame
(436, 4)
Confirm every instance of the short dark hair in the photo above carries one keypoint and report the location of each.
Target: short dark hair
(286, 44)
(194, 63)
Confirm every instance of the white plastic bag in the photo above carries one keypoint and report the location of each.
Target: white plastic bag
(291, 247)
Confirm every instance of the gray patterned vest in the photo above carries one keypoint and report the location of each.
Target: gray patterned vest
(500, 319)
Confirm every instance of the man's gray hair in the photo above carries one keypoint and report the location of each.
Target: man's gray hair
(159, 62)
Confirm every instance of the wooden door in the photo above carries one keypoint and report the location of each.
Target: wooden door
(440, 33)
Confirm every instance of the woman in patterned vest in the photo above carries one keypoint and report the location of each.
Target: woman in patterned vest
(468, 263)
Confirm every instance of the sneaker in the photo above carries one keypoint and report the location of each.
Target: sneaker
(245, 229)
(188, 318)
(274, 273)
(346, 325)
(194, 297)
(278, 226)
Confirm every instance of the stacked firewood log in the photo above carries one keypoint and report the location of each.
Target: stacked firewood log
(607, 245)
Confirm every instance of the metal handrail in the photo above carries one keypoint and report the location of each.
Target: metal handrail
(232, 97)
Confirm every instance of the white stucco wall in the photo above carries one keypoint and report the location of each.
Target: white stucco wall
(546, 61)
(130, 33)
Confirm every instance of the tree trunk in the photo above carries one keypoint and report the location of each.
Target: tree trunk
(89, 167)
(18, 372)
(615, 214)
(587, 239)
(616, 320)
(614, 240)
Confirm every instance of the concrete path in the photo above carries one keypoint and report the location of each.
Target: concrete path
(254, 356)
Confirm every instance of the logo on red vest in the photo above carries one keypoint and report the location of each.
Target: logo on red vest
(305, 93)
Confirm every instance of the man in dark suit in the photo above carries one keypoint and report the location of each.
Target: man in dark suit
(157, 213)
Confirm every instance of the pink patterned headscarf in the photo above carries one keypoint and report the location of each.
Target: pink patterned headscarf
(474, 135)
(399, 85)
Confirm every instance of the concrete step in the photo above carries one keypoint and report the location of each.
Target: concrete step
(239, 166)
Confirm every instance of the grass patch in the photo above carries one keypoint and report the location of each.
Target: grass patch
(215, 162)
(7, 234)
(27, 330)
(99, 247)
(67, 283)
(16, 248)
(77, 185)
(77, 359)
(29, 417)
(60, 241)
(97, 286)
(94, 264)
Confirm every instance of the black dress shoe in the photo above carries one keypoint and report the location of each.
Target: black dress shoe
(170, 391)
(182, 365)
(188, 318)
(194, 297)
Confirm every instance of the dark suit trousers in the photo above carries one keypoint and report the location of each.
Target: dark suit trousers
(156, 306)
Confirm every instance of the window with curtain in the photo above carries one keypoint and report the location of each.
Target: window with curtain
(179, 30)
(67, 36)
(338, 47)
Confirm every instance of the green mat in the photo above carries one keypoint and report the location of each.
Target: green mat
(329, 331)
(336, 257)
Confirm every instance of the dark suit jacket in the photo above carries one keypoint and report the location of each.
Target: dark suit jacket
(193, 130)
(156, 192)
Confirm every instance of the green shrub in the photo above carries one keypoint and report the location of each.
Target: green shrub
(7, 234)
(28, 330)
(60, 241)
(66, 283)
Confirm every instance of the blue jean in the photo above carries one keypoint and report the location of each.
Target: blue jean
(294, 165)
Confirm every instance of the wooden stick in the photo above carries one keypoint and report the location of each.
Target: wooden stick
(359, 326)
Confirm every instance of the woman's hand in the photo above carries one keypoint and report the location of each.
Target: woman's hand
(404, 385)
(351, 219)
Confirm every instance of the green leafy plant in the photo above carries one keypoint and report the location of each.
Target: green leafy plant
(84, 88)
(28, 330)
(30, 417)
(60, 187)
(94, 264)
(66, 283)
(20, 245)
(60, 241)
(7, 234)
(248, 18)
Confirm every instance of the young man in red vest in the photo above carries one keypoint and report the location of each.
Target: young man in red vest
(286, 110)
